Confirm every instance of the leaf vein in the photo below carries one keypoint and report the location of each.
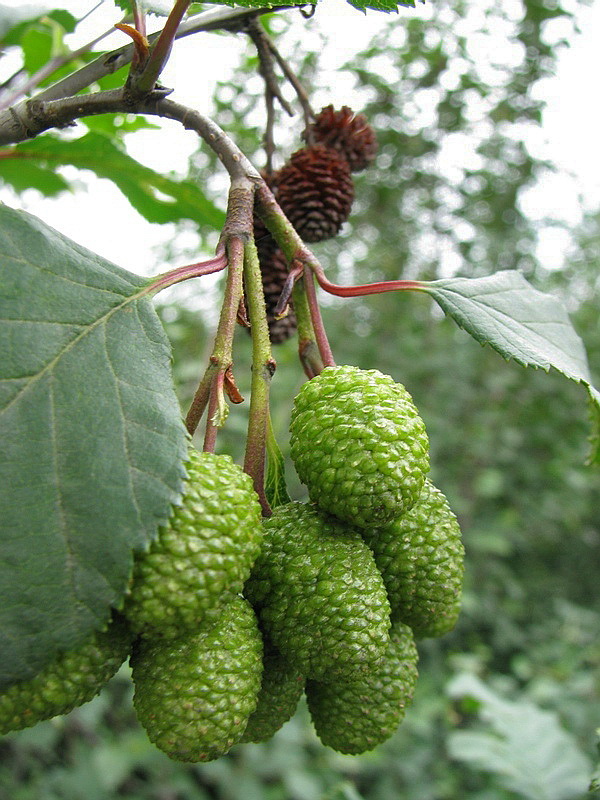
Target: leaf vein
(103, 319)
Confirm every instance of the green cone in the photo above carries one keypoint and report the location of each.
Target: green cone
(194, 694)
(281, 689)
(420, 556)
(357, 715)
(69, 681)
(319, 594)
(359, 445)
(202, 558)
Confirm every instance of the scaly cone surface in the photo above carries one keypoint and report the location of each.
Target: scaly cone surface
(421, 558)
(319, 594)
(69, 681)
(353, 716)
(194, 694)
(201, 559)
(359, 445)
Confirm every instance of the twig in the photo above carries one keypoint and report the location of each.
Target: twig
(142, 83)
(198, 270)
(200, 401)
(308, 351)
(139, 17)
(211, 387)
(213, 19)
(317, 321)
(269, 139)
(265, 60)
(216, 412)
(292, 78)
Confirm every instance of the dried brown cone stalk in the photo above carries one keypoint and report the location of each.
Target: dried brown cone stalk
(348, 133)
(315, 191)
(274, 273)
(274, 270)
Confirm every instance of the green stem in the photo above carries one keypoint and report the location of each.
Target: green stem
(317, 320)
(263, 367)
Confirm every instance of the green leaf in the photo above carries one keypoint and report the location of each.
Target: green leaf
(92, 439)
(23, 175)
(161, 8)
(141, 185)
(505, 312)
(382, 5)
(526, 747)
(15, 22)
(275, 487)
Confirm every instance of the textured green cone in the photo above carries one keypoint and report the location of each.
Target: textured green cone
(420, 556)
(71, 680)
(355, 716)
(320, 596)
(194, 694)
(281, 688)
(359, 445)
(202, 558)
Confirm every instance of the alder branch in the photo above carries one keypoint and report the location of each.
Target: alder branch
(228, 19)
(246, 179)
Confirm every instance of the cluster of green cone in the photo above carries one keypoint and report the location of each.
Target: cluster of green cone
(230, 618)
(345, 584)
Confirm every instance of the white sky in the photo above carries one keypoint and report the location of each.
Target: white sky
(569, 137)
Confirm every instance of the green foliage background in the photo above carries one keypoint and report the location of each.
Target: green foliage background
(508, 704)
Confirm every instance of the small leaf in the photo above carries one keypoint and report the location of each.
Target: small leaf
(275, 487)
(505, 312)
(92, 439)
(141, 185)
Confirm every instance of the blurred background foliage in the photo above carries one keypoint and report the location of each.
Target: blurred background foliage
(507, 705)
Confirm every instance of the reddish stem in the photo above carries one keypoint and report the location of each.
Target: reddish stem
(161, 50)
(180, 274)
(317, 321)
(294, 274)
(139, 18)
(365, 288)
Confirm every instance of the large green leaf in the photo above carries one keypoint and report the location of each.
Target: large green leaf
(532, 328)
(92, 438)
(526, 747)
(141, 185)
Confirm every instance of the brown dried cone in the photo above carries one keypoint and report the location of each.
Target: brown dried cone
(315, 191)
(348, 133)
